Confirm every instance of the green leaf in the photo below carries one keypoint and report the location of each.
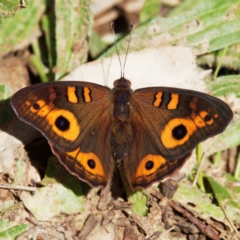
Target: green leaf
(62, 193)
(225, 85)
(55, 198)
(9, 230)
(67, 28)
(188, 194)
(221, 194)
(96, 45)
(5, 92)
(210, 26)
(48, 57)
(6, 111)
(237, 169)
(228, 139)
(149, 11)
(231, 59)
(140, 202)
(8, 8)
(186, 5)
(200, 203)
(73, 24)
(17, 32)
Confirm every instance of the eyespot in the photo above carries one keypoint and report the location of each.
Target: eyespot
(179, 132)
(149, 165)
(36, 106)
(62, 123)
(207, 118)
(91, 163)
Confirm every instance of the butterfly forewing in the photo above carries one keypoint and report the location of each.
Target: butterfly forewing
(75, 118)
(62, 111)
(176, 120)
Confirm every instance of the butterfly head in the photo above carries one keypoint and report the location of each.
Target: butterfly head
(122, 83)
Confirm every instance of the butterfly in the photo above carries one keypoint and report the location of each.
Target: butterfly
(151, 130)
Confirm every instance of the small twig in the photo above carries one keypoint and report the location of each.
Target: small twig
(31, 220)
(231, 223)
(156, 194)
(207, 230)
(199, 171)
(134, 219)
(91, 224)
(18, 187)
(168, 231)
(154, 236)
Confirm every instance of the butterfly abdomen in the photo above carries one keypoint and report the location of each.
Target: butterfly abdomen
(121, 139)
(121, 132)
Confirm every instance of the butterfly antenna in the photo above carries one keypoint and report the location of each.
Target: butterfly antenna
(115, 44)
(129, 41)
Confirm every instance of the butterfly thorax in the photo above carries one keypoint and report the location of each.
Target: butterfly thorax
(121, 129)
(122, 99)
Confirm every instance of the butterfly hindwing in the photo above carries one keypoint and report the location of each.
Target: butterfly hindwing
(92, 161)
(145, 164)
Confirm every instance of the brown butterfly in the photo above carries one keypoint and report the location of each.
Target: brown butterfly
(152, 130)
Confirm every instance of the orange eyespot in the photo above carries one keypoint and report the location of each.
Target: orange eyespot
(177, 131)
(149, 164)
(89, 161)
